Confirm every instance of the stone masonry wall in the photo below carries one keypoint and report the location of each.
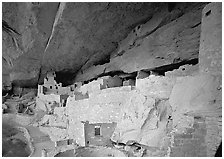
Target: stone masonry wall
(196, 100)
(210, 58)
(191, 143)
(101, 107)
(210, 53)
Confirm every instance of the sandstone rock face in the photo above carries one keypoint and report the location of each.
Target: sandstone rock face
(68, 37)
(173, 40)
(133, 115)
(23, 53)
(184, 70)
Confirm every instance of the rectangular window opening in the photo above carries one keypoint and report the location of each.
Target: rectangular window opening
(97, 131)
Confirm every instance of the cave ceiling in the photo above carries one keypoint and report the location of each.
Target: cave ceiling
(67, 37)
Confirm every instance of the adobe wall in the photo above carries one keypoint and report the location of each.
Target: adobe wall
(50, 86)
(109, 82)
(101, 107)
(99, 84)
(106, 131)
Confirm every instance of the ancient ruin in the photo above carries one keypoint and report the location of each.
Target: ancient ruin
(158, 95)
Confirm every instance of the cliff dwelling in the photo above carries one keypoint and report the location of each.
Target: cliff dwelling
(109, 79)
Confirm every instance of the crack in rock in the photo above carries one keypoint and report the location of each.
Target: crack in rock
(61, 8)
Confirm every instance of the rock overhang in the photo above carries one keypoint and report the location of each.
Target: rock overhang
(72, 37)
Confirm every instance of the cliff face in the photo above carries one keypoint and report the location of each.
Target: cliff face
(175, 115)
(83, 40)
(143, 87)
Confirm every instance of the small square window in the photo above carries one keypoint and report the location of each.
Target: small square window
(97, 131)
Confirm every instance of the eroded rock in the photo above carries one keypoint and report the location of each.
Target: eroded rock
(69, 37)
(171, 43)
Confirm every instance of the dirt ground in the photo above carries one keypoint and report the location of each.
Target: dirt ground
(13, 141)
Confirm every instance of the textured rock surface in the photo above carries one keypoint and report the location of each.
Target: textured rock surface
(178, 114)
(68, 36)
(174, 42)
(134, 113)
(24, 54)
(199, 92)
(73, 36)
(155, 86)
(184, 70)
